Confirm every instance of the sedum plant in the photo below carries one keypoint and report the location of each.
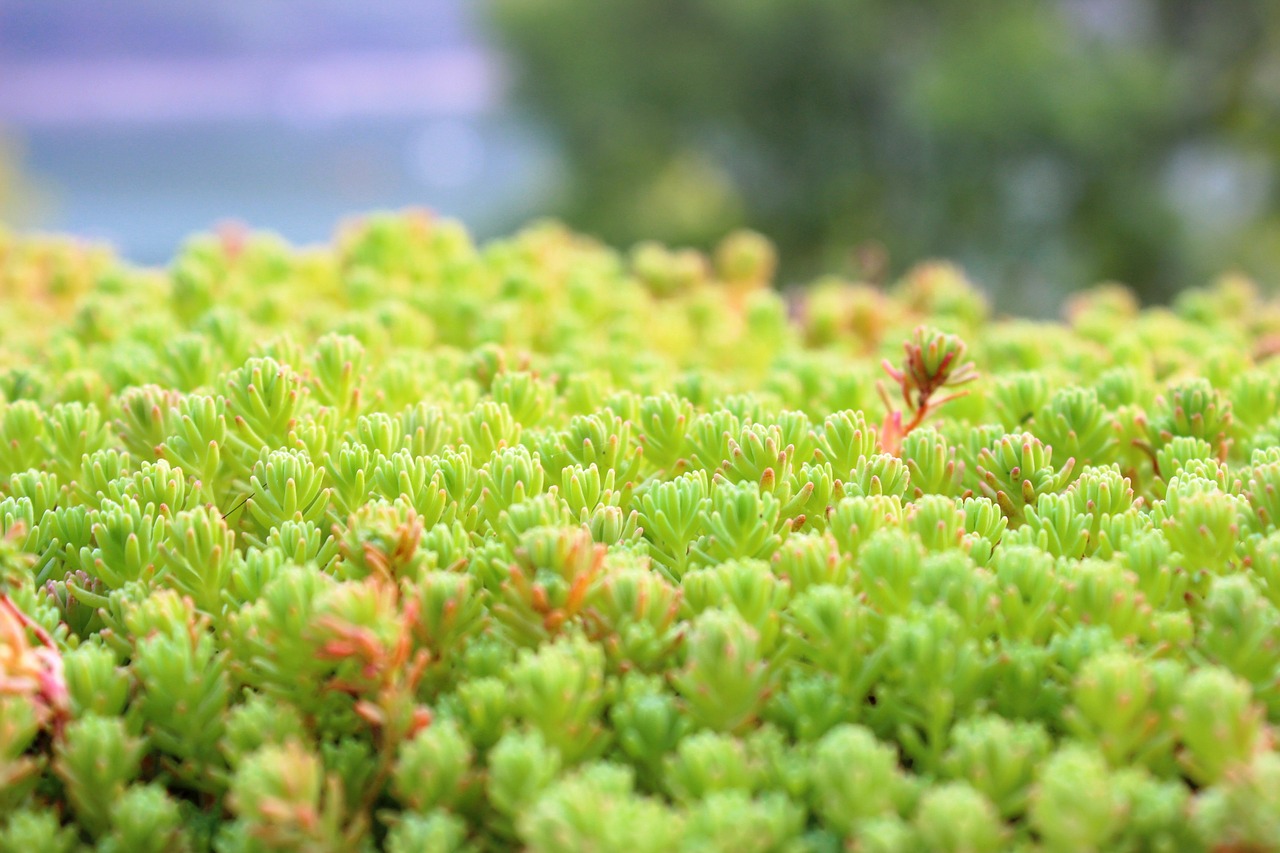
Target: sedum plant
(410, 543)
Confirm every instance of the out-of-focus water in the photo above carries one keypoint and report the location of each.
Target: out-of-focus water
(145, 189)
(142, 122)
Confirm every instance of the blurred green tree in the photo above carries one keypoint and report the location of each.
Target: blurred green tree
(1044, 145)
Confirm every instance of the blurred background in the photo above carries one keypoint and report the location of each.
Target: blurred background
(1045, 146)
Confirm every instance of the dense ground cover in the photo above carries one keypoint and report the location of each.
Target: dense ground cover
(410, 544)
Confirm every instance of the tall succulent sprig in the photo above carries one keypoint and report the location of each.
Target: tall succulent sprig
(934, 362)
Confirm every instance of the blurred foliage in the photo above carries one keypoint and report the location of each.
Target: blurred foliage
(1077, 141)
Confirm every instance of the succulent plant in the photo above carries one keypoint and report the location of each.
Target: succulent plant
(409, 543)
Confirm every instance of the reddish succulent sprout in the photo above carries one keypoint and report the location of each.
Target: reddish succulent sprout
(383, 559)
(36, 673)
(234, 237)
(393, 673)
(918, 377)
(1267, 347)
(387, 700)
(553, 618)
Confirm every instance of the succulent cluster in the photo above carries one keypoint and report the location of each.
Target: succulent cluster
(410, 544)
